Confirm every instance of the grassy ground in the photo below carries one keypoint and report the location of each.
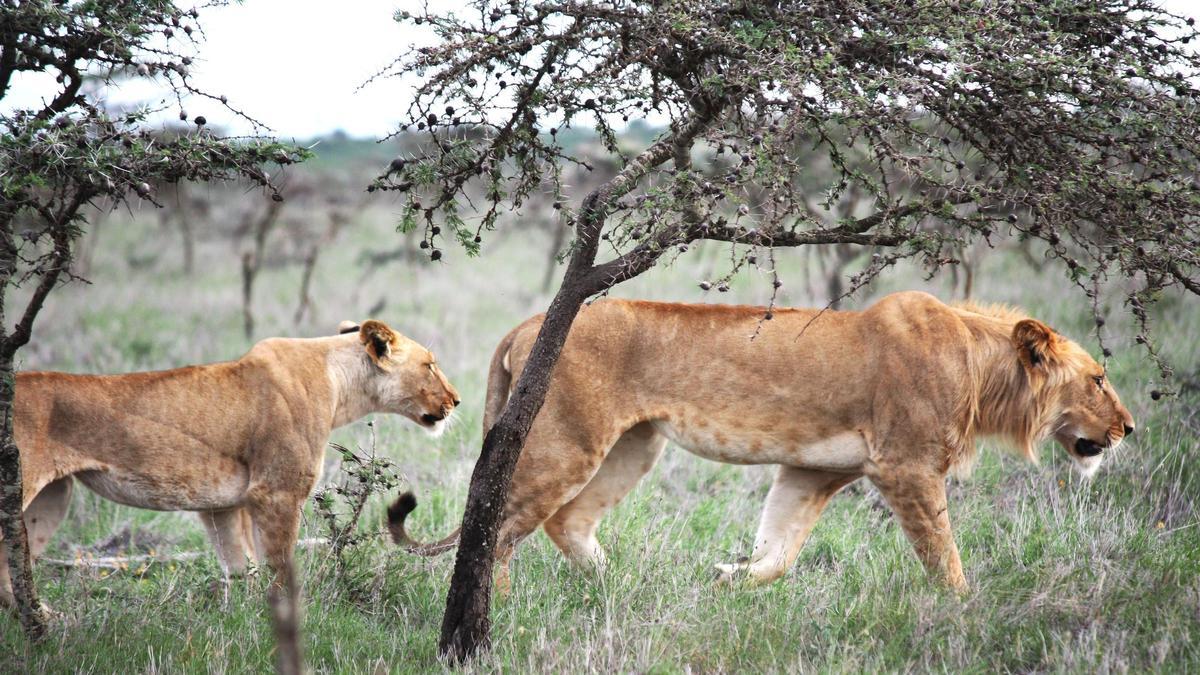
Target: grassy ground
(1066, 575)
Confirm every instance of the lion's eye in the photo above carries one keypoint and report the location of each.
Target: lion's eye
(1099, 381)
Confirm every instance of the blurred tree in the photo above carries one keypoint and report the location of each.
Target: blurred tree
(1072, 123)
(57, 159)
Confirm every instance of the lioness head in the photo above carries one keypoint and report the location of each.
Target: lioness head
(406, 379)
(1084, 413)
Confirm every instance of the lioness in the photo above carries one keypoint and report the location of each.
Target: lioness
(897, 393)
(239, 442)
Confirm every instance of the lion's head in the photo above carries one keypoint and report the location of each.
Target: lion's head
(1077, 404)
(406, 379)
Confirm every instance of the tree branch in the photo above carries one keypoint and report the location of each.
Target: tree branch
(1182, 277)
(644, 255)
(50, 274)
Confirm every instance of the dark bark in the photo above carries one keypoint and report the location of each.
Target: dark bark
(466, 624)
(12, 521)
(12, 524)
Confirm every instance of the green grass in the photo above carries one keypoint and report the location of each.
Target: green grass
(1067, 575)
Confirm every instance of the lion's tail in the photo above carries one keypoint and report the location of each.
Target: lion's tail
(499, 381)
(398, 512)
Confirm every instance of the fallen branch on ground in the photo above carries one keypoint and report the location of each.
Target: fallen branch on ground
(120, 562)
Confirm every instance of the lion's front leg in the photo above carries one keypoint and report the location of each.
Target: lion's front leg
(285, 473)
(276, 517)
(796, 500)
(918, 498)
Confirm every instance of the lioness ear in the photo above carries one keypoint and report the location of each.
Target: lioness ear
(378, 339)
(347, 327)
(1036, 342)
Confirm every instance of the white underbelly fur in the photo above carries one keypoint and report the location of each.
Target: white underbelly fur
(845, 452)
(144, 492)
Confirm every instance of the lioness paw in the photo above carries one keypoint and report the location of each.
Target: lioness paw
(729, 573)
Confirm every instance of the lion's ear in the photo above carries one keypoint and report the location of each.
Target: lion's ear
(378, 338)
(347, 327)
(1036, 343)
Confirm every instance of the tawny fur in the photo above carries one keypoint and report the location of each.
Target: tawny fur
(898, 392)
(242, 442)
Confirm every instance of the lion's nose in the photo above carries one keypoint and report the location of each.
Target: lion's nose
(456, 402)
(1128, 429)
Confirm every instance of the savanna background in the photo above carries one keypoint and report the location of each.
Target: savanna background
(1066, 574)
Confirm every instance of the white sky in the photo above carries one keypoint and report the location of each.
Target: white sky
(295, 65)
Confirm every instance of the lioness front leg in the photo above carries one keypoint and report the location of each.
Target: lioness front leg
(276, 518)
(794, 503)
(918, 498)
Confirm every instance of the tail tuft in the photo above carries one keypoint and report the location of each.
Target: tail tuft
(397, 513)
(399, 510)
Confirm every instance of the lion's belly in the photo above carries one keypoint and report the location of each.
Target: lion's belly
(844, 452)
(168, 491)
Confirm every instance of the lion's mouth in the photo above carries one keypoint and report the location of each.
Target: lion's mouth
(434, 425)
(1085, 447)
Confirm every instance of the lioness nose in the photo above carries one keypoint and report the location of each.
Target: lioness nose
(456, 402)
(1128, 429)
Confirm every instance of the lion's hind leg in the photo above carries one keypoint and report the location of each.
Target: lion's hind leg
(796, 500)
(553, 468)
(43, 515)
(230, 534)
(573, 527)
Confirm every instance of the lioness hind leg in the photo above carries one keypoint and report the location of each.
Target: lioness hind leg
(794, 503)
(46, 512)
(573, 527)
(42, 518)
(550, 472)
(227, 530)
(918, 498)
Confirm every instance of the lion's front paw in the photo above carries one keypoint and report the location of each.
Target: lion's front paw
(730, 573)
(49, 614)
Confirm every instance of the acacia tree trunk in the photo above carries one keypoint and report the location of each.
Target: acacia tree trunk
(466, 625)
(12, 521)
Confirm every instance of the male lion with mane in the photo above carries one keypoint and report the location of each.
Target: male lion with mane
(898, 393)
(241, 442)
